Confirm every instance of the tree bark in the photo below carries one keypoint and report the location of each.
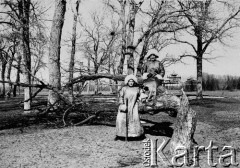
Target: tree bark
(115, 88)
(123, 51)
(89, 71)
(199, 31)
(8, 95)
(130, 39)
(24, 10)
(142, 55)
(72, 58)
(84, 78)
(19, 58)
(199, 78)
(4, 64)
(184, 127)
(54, 50)
(109, 71)
(96, 89)
(164, 102)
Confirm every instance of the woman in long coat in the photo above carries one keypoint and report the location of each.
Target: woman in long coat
(128, 121)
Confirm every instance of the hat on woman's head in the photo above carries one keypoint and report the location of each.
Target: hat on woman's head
(129, 77)
(152, 52)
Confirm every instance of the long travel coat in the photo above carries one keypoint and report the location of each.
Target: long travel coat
(129, 96)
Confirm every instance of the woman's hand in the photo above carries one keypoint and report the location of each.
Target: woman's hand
(123, 108)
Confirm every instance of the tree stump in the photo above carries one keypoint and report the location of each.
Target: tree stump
(184, 127)
(185, 124)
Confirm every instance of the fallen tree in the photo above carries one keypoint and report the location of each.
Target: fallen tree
(84, 78)
(75, 113)
(186, 117)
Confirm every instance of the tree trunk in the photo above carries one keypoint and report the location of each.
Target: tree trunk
(96, 89)
(72, 58)
(142, 55)
(131, 28)
(8, 95)
(37, 65)
(199, 53)
(201, 22)
(3, 88)
(199, 78)
(19, 58)
(4, 64)
(3, 84)
(26, 69)
(115, 87)
(109, 71)
(163, 102)
(54, 51)
(184, 127)
(123, 51)
(89, 71)
(84, 78)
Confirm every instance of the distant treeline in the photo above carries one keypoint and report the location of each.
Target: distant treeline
(214, 82)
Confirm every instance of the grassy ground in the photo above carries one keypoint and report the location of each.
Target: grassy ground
(235, 93)
(40, 145)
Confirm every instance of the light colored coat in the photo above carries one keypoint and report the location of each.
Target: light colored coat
(129, 96)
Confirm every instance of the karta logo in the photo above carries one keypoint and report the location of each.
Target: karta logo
(182, 155)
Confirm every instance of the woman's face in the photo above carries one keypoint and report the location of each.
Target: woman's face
(130, 82)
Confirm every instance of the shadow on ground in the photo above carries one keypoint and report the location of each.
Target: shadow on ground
(159, 129)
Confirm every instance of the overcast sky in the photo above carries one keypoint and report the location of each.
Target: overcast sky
(227, 62)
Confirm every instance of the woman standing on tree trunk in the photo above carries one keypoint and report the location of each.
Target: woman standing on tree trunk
(128, 122)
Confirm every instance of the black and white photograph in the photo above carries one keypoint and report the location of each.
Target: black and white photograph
(119, 83)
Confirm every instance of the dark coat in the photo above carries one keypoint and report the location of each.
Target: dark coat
(155, 66)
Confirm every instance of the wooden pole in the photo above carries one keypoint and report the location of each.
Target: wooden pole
(126, 138)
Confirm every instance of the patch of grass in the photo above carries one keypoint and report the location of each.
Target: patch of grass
(207, 111)
(219, 93)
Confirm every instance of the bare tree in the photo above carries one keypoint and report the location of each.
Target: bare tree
(208, 26)
(21, 26)
(54, 50)
(19, 16)
(38, 46)
(98, 44)
(161, 19)
(9, 43)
